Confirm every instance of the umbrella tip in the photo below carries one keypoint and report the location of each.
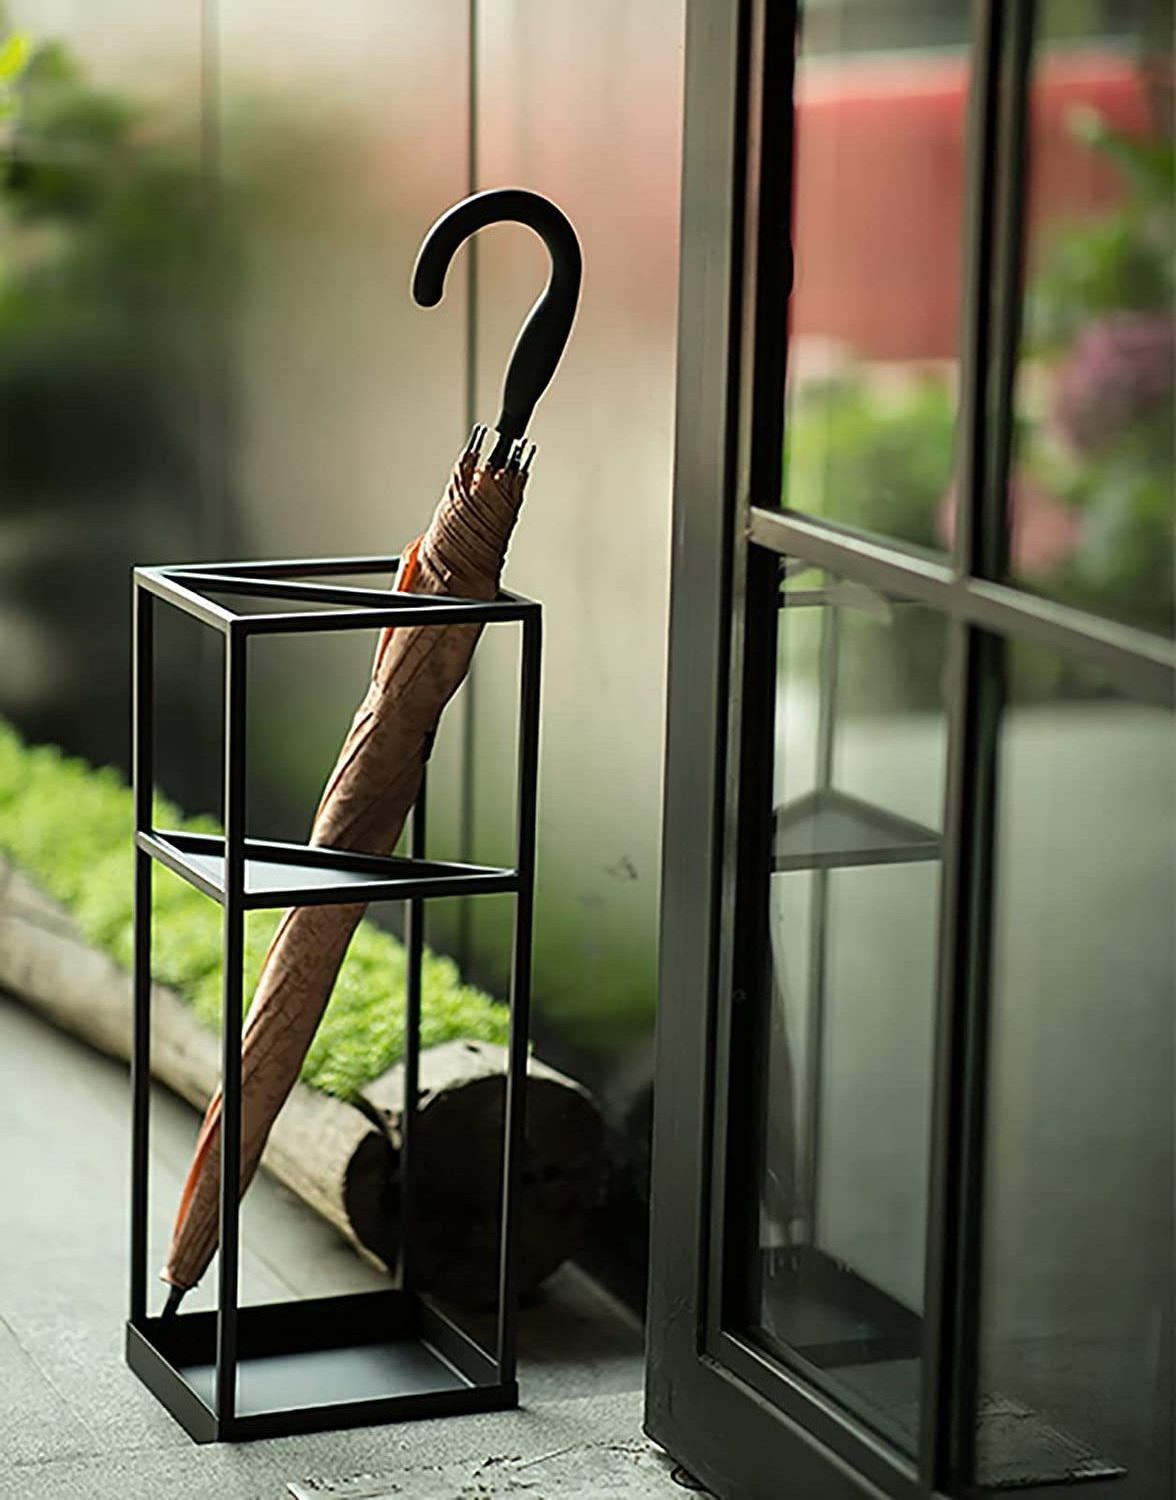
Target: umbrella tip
(175, 1295)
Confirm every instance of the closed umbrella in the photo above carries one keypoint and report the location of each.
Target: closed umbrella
(417, 670)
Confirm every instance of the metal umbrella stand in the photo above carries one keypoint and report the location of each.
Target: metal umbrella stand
(266, 1371)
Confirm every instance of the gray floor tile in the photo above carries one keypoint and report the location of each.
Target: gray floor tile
(36, 1423)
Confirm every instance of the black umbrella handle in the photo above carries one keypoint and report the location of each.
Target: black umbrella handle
(543, 336)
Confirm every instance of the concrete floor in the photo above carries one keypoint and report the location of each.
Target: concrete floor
(75, 1423)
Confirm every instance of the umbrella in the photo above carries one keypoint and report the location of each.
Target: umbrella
(417, 669)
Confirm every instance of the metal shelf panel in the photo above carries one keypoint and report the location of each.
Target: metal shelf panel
(280, 874)
(828, 830)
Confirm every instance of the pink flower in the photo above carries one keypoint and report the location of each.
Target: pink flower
(1119, 372)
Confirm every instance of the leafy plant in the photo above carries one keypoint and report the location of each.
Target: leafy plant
(14, 56)
(69, 827)
(1094, 472)
(1123, 262)
(877, 462)
(1101, 317)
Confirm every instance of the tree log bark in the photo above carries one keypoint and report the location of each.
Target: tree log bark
(343, 1159)
(459, 1144)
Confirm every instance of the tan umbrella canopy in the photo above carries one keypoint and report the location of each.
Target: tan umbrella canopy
(417, 670)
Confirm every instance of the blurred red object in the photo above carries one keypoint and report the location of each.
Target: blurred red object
(880, 186)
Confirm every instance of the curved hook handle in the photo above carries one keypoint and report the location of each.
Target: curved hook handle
(543, 336)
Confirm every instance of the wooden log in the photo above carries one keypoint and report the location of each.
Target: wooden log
(343, 1159)
(459, 1140)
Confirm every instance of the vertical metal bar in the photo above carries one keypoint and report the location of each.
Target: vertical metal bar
(740, 800)
(976, 780)
(520, 999)
(991, 556)
(234, 935)
(819, 923)
(471, 372)
(213, 523)
(467, 790)
(214, 490)
(956, 1181)
(985, 694)
(142, 748)
(722, 1258)
(414, 942)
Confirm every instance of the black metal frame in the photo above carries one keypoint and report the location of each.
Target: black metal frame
(192, 1361)
(749, 1426)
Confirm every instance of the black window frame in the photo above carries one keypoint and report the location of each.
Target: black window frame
(734, 1416)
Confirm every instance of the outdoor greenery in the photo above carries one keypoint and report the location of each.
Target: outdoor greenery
(877, 462)
(1101, 318)
(69, 826)
(1093, 480)
(104, 285)
(106, 302)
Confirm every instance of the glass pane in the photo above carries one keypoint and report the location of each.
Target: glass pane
(1076, 1350)
(837, 1277)
(1093, 489)
(881, 97)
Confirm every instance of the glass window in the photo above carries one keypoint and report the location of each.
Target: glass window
(853, 900)
(1076, 1352)
(1093, 482)
(881, 106)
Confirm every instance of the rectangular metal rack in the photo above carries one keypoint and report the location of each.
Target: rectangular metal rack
(266, 1371)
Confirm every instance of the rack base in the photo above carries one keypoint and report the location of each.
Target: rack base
(318, 1364)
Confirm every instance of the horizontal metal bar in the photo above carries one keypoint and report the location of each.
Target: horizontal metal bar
(314, 593)
(401, 888)
(821, 1417)
(449, 880)
(156, 582)
(296, 567)
(176, 863)
(411, 1406)
(849, 555)
(322, 857)
(848, 859)
(1145, 663)
(305, 567)
(408, 615)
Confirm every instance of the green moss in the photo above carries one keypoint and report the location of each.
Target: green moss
(69, 827)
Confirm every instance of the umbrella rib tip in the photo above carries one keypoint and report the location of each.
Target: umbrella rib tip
(175, 1295)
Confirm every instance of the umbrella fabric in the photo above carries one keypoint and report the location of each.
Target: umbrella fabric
(374, 784)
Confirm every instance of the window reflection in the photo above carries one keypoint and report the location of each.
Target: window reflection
(1093, 487)
(881, 104)
(853, 907)
(1077, 1294)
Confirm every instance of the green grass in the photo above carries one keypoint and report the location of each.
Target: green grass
(69, 827)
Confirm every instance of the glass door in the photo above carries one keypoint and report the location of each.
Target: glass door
(915, 1152)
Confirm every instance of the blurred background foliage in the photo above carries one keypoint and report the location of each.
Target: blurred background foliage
(107, 294)
(1101, 319)
(1093, 483)
(124, 261)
